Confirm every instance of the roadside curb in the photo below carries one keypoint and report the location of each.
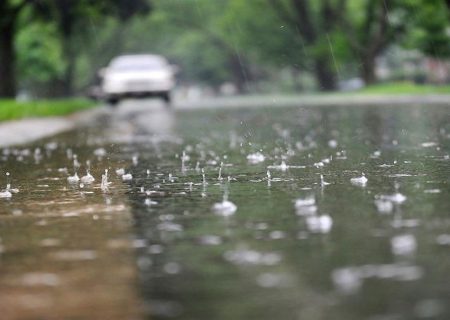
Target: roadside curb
(23, 131)
(307, 100)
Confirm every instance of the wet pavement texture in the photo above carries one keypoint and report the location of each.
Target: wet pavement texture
(258, 213)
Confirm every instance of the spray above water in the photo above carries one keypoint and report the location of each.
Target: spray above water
(396, 198)
(254, 158)
(105, 184)
(204, 177)
(7, 193)
(225, 208)
(359, 181)
(323, 182)
(74, 178)
(127, 177)
(220, 172)
(88, 178)
(283, 166)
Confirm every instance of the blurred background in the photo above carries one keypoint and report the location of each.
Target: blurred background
(55, 48)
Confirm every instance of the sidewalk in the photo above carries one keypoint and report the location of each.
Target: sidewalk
(27, 130)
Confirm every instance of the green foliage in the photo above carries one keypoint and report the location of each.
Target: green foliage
(405, 88)
(430, 29)
(39, 54)
(269, 39)
(11, 109)
(215, 41)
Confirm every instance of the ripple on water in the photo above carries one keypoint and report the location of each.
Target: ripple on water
(319, 224)
(74, 255)
(443, 239)
(210, 240)
(305, 206)
(273, 280)
(384, 206)
(252, 257)
(34, 279)
(404, 244)
(348, 280)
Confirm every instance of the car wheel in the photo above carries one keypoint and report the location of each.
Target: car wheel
(112, 101)
(167, 98)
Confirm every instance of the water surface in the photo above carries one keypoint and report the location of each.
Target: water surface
(378, 250)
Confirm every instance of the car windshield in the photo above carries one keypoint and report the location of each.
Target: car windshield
(137, 64)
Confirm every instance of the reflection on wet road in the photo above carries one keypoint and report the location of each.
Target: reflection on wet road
(290, 213)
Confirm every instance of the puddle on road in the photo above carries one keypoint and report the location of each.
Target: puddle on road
(65, 249)
(308, 238)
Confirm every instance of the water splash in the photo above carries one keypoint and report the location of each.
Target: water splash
(255, 158)
(359, 181)
(220, 172)
(76, 164)
(127, 177)
(74, 179)
(225, 208)
(305, 206)
(319, 224)
(396, 198)
(6, 193)
(204, 177)
(283, 166)
(88, 178)
(135, 160)
(384, 206)
(184, 159)
(105, 184)
(323, 182)
(404, 244)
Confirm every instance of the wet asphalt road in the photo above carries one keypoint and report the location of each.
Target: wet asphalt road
(297, 247)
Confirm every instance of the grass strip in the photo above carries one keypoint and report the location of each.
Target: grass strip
(11, 109)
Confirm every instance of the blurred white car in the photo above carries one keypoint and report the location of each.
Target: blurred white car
(140, 75)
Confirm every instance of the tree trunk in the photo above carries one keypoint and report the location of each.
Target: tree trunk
(368, 70)
(325, 76)
(297, 84)
(239, 73)
(69, 56)
(7, 61)
(66, 16)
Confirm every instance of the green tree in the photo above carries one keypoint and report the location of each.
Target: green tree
(9, 18)
(314, 22)
(196, 35)
(430, 35)
(370, 27)
(70, 18)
